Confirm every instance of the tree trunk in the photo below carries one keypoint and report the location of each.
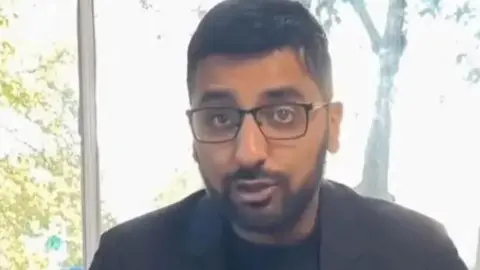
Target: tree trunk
(306, 3)
(377, 151)
(389, 48)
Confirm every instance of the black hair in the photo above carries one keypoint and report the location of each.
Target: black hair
(239, 27)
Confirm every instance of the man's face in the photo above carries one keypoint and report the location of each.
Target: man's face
(262, 184)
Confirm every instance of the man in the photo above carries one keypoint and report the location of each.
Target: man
(260, 88)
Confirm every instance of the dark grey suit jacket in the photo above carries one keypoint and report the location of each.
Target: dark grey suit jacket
(358, 233)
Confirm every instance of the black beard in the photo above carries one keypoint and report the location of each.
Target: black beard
(294, 205)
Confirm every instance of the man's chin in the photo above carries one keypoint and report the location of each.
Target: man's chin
(258, 222)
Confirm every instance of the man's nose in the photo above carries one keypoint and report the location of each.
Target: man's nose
(251, 147)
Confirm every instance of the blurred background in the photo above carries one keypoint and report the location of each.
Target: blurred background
(407, 71)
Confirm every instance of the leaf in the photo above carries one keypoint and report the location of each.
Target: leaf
(7, 48)
(430, 7)
(477, 35)
(53, 243)
(474, 75)
(460, 58)
(4, 22)
(327, 14)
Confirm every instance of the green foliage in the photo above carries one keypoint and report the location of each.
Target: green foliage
(40, 184)
(178, 188)
(464, 12)
(108, 220)
(467, 14)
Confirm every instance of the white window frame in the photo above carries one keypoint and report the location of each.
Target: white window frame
(91, 218)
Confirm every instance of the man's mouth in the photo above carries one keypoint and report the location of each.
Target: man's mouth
(253, 192)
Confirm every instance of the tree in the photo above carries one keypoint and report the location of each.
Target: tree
(467, 14)
(388, 47)
(40, 178)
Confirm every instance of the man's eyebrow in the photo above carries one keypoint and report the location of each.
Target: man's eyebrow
(210, 95)
(282, 92)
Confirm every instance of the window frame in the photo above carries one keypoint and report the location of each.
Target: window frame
(91, 212)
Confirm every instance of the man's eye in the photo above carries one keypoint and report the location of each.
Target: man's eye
(283, 114)
(220, 120)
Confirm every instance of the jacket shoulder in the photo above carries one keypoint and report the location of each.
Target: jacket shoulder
(395, 231)
(393, 235)
(164, 218)
(406, 225)
(410, 234)
(134, 240)
(390, 220)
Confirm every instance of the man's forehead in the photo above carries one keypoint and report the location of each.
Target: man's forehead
(225, 94)
(246, 80)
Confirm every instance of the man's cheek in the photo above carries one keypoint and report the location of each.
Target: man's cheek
(303, 164)
(213, 171)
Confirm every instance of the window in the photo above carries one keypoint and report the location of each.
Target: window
(409, 84)
(408, 77)
(40, 209)
(144, 138)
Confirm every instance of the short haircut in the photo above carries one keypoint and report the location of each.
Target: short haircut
(242, 27)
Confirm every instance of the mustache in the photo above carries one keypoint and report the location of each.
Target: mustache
(252, 173)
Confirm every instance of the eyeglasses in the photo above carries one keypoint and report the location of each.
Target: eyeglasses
(276, 122)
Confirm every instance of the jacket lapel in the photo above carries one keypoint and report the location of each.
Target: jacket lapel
(203, 241)
(342, 242)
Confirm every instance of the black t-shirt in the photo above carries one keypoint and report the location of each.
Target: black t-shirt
(244, 255)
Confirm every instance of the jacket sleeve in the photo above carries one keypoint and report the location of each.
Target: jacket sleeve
(106, 258)
(448, 261)
(447, 257)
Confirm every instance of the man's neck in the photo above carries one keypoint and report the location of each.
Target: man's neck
(302, 229)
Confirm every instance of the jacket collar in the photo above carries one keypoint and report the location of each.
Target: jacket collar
(342, 239)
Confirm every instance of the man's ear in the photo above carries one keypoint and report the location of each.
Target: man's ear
(335, 116)
(195, 155)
